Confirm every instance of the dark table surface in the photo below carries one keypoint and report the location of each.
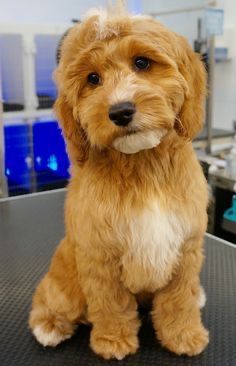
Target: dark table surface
(30, 228)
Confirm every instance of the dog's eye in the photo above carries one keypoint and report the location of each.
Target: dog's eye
(93, 78)
(141, 63)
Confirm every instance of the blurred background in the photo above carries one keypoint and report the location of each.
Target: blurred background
(32, 151)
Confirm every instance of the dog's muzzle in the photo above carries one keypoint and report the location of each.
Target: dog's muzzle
(122, 113)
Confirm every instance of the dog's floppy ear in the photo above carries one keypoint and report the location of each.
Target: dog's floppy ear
(76, 139)
(190, 118)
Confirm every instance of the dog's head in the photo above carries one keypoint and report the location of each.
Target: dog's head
(124, 82)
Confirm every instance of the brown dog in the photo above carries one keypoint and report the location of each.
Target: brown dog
(130, 101)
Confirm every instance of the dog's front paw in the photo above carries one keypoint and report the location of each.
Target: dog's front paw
(189, 340)
(113, 346)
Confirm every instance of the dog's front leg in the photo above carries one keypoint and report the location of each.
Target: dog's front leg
(112, 309)
(176, 309)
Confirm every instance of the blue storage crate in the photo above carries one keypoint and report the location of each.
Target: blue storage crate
(50, 158)
(17, 159)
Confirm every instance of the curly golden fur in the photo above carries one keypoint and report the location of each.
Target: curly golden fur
(136, 205)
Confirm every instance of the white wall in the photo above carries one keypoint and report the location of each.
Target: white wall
(225, 76)
(51, 11)
(183, 23)
(44, 11)
(152, 6)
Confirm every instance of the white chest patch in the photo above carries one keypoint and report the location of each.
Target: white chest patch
(155, 244)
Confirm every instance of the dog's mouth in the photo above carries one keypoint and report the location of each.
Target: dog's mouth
(136, 140)
(131, 131)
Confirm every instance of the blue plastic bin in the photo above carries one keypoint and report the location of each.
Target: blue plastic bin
(17, 155)
(50, 158)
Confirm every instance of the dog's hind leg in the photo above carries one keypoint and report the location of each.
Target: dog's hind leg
(58, 303)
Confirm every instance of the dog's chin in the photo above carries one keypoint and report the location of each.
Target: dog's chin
(138, 141)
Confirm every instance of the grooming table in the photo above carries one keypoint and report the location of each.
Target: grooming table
(30, 229)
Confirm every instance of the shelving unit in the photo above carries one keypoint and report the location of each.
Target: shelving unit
(27, 61)
(27, 115)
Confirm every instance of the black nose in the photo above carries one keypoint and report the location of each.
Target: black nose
(121, 114)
